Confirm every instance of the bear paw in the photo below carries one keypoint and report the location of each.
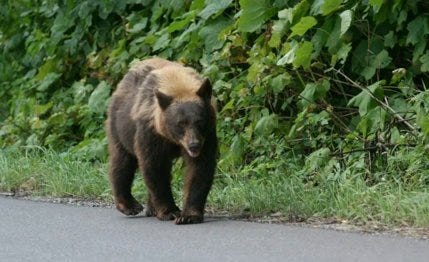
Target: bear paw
(189, 219)
(130, 207)
(168, 215)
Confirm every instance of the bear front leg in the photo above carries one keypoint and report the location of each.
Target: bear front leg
(157, 177)
(198, 181)
(122, 166)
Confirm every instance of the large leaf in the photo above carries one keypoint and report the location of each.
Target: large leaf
(376, 4)
(330, 6)
(267, 124)
(289, 57)
(210, 33)
(314, 91)
(318, 159)
(48, 81)
(346, 20)
(254, 14)
(181, 23)
(423, 121)
(381, 60)
(99, 98)
(373, 121)
(304, 24)
(303, 55)
(417, 29)
(278, 30)
(425, 62)
(214, 8)
(364, 101)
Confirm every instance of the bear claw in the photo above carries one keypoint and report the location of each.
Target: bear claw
(183, 220)
(168, 215)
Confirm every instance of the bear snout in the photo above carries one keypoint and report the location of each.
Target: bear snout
(194, 149)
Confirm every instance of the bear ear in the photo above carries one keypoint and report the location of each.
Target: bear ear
(205, 91)
(163, 100)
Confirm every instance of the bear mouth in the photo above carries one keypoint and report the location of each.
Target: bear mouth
(193, 153)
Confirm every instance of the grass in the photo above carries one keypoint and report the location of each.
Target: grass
(341, 195)
(45, 172)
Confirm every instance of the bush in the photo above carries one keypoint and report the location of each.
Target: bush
(324, 84)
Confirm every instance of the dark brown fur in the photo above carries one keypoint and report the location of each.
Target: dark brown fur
(142, 132)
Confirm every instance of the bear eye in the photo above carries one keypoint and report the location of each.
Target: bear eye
(182, 123)
(199, 123)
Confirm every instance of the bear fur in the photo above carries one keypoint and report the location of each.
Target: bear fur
(162, 110)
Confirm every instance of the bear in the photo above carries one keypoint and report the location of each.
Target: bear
(160, 111)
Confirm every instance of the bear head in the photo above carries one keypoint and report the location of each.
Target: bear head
(187, 122)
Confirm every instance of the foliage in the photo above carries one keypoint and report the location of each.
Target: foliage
(331, 84)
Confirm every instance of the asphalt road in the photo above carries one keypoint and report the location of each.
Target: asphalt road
(40, 231)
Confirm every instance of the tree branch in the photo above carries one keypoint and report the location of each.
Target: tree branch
(381, 103)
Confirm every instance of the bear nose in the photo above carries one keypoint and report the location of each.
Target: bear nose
(194, 147)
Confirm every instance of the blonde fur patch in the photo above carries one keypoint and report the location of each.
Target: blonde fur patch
(179, 82)
(155, 63)
(173, 79)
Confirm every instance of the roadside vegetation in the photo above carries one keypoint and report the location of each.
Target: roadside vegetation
(323, 105)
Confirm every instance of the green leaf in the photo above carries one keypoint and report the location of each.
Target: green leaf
(210, 33)
(346, 20)
(49, 66)
(417, 29)
(423, 121)
(48, 81)
(289, 57)
(236, 149)
(300, 10)
(382, 59)
(314, 91)
(318, 159)
(279, 82)
(364, 101)
(254, 71)
(81, 91)
(390, 39)
(303, 55)
(61, 24)
(334, 39)
(254, 14)
(343, 52)
(286, 14)
(425, 62)
(316, 6)
(278, 30)
(138, 27)
(99, 98)
(376, 4)
(419, 49)
(161, 42)
(180, 24)
(41, 109)
(304, 24)
(379, 61)
(214, 8)
(321, 36)
(368, 72)
(373, 121)
(330, 6)
(267, 124)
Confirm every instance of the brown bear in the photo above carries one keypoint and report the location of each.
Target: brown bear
(162, 110)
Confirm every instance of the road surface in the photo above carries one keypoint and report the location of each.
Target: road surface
(40, 231)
